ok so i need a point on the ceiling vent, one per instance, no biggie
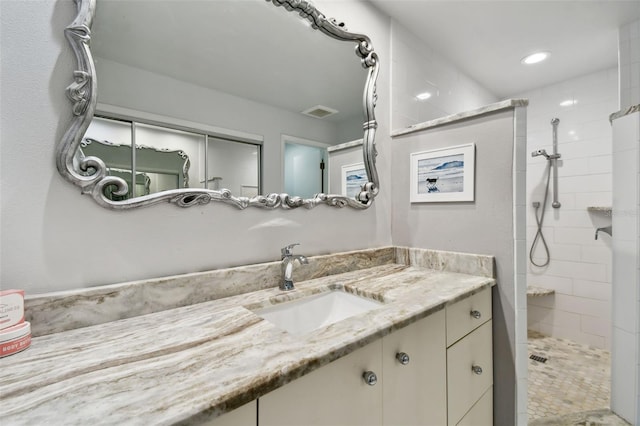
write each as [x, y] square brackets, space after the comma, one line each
[319, 111]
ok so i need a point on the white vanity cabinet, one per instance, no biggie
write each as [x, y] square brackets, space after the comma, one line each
[335, 394]
[247, 415]
[414, 393]
[470, 361]
[436, 371]
[410, 367]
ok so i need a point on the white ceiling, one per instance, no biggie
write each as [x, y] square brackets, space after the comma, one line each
[487, 39]
[247, 48]
[231, 45]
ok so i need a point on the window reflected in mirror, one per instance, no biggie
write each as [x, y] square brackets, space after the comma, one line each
[233, 165]
[167, 158]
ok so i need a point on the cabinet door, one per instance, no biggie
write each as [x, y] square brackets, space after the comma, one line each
[242, 416]
[335, 394]
[469, 371]
[415, 393]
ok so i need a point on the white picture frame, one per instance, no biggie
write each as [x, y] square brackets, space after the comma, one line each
[353, 177]
[443, 175]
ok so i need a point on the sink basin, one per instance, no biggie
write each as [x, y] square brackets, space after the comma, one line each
[313, 312]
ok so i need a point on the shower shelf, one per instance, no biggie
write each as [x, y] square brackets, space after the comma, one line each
[600, 209]
[539, 291]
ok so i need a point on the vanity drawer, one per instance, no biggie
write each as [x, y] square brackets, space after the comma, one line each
[469, 371]
[481, 414]
[468, 314]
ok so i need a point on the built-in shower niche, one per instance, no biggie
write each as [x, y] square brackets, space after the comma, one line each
[601, 217]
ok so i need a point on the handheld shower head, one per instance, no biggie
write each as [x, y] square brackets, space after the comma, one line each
[540, 152]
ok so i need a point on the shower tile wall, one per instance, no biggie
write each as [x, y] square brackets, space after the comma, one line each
[417, 68]
[625, 347]
[580, 267]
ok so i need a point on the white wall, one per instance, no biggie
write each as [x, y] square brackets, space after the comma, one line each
[625, 351]
[489, 225]
[580, 266]
[53, 238]
[629, 61]
[133, 88]
[417, 68]
[625, 344]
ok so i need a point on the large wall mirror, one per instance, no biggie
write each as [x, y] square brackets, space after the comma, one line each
[241, 102]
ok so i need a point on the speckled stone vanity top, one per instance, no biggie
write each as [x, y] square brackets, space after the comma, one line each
[191, 363]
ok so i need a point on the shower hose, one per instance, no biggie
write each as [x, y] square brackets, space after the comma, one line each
[539, 220]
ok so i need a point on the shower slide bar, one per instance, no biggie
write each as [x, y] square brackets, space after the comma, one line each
[553, 159]
[551, 166]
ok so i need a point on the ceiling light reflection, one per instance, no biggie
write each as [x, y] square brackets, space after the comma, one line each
[535, 58]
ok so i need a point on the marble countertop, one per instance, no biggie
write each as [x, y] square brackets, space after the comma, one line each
[466, 115]
[192, 363]
[624, 112]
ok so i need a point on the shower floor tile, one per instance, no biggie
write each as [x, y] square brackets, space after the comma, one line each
[575, 378]
[585, 418]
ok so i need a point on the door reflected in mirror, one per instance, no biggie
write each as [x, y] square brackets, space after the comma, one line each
[305, 167]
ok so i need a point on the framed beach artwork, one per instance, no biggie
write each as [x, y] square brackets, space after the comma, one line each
[443, 175]
[353, 177]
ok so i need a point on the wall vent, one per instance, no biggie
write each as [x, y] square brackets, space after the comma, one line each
[319, 111]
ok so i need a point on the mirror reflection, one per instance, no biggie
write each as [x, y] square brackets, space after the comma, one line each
[244, 58]
[241, 80]
[166, 159]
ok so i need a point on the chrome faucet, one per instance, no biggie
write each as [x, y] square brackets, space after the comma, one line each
[606, 230]
[287, 266]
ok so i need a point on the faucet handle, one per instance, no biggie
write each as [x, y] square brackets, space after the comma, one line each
[288, 250]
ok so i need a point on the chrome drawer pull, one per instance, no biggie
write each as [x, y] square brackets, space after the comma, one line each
[476, 314]
[476, 369]
[370, 378]
[402, 358]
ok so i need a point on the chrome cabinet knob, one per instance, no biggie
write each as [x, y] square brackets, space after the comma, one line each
[402, 358]
[476, 314]
[370, 378]
[476, 369]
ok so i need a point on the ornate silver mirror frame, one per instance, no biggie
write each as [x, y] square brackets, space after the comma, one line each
[91, 175]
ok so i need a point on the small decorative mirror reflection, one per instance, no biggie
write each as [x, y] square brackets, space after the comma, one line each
[219, 100]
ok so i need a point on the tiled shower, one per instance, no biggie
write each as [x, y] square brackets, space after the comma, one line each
[569, 301]
[594, 282]
[578, 276]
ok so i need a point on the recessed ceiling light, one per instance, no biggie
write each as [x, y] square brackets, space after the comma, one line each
[423, 96]
[534, 58]
[568, 102]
